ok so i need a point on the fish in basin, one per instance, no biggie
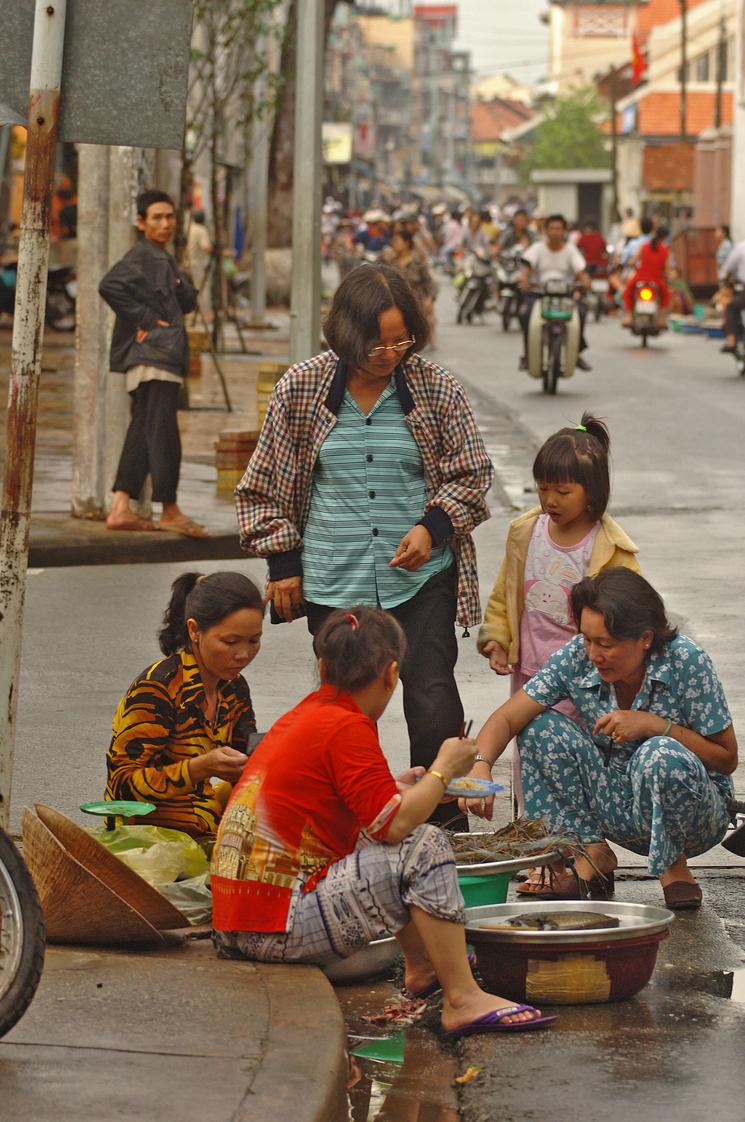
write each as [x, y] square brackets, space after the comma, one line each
[555, 921]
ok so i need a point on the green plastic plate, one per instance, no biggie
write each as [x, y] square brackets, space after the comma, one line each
[118, 808]
[386, 1049]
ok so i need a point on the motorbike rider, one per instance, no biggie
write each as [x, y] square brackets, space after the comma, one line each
[591, 245]
[651, 265]
[633, 245]
[475, 239]
[374, 236]
[734, 268]
[518, 234]
[553, 259]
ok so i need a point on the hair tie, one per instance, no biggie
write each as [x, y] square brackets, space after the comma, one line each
[582, 428]
[354, 622]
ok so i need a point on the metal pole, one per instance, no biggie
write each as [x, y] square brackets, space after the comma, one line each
[683, 67]
[305, 300]
[614, 143]
[258, 184]
[721, 60]
[25, 369]
[91, 336]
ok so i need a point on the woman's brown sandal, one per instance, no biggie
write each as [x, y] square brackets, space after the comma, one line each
[565, 884]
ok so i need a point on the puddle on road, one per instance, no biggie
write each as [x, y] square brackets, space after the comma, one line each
[417, 1088]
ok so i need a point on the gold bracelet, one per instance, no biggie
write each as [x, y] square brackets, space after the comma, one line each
[438, 775]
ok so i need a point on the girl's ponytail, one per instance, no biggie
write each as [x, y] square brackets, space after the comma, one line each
[356, 646]
[598, 429]
[173, 636]
[659, 236]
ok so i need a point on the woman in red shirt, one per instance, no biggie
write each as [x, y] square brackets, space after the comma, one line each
[321, 850]
[651, 266]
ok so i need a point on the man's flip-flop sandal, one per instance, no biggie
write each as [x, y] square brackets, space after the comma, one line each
[435, 987]
[188, 528]
[135, 526]
[492, 1022]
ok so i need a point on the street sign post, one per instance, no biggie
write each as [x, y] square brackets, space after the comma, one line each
[126, 70]
[113, 73]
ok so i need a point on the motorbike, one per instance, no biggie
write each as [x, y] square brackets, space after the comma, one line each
[553, 335]
[22, 936]
[645, 317]
[508, 276]
[61, 294]
[597, 295]
[477, 287]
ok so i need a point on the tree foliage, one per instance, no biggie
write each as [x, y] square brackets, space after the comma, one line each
[570, 135]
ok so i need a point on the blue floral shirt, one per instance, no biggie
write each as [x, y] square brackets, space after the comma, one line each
[679, 683]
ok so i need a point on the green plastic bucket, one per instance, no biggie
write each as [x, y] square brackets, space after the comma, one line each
[490, 888]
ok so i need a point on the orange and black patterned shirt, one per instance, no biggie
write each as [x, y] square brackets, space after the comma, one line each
[159, 725]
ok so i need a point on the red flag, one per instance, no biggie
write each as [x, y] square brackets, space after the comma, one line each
[638, 60]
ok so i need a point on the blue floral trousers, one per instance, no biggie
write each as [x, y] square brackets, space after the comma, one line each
[656, 798]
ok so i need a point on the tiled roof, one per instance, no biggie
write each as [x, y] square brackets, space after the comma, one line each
[489, 119]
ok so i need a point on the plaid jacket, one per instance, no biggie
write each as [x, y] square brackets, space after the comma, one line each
[273, 497]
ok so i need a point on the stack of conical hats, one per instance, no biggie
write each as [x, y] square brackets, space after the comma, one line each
[88, 895]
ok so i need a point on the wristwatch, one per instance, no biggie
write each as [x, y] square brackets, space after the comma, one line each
[479, 759]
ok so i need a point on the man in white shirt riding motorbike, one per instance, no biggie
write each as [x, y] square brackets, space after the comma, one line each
[553, 259]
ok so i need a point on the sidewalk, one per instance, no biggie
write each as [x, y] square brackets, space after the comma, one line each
[59, 539]
[178, 1035]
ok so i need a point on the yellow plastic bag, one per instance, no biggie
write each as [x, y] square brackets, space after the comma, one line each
[157, 854]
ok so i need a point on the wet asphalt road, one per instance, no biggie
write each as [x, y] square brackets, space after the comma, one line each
[676, 414]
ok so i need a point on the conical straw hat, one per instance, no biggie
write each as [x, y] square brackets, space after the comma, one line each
[78, 907]
[107, 867]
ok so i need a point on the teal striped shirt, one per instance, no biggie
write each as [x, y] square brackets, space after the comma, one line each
[368, 491]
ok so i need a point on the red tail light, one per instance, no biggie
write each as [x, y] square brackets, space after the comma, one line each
[646, 294]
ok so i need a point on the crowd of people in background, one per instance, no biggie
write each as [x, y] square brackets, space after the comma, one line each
[423, 239]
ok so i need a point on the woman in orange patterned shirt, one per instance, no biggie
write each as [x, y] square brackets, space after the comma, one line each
[186, 720]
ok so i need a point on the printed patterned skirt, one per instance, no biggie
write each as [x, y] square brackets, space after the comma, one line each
[364, 896]
[656, 799]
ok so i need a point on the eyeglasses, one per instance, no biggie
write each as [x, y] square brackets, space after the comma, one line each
[399, 348]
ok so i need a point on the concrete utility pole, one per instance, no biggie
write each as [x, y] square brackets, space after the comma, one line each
[305, 299]
[128, 169]
[28, 332]
[89, 480]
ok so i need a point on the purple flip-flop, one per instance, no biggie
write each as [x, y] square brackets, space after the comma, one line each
[491, 1022]
[435, 987]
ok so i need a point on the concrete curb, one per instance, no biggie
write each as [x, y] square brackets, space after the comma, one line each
[303, 1072]
[56, 543]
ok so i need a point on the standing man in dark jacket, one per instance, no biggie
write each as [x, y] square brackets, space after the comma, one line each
[150, 295]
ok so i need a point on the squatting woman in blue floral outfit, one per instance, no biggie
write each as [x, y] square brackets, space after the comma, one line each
[650, 768]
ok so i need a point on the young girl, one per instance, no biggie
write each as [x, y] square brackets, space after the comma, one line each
[549, 549]
[321, 850]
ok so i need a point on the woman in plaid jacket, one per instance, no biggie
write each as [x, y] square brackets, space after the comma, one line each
[369, 476]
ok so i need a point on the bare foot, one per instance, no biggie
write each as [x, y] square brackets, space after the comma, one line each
[678, 871]
[419, 976]
[129, 522]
